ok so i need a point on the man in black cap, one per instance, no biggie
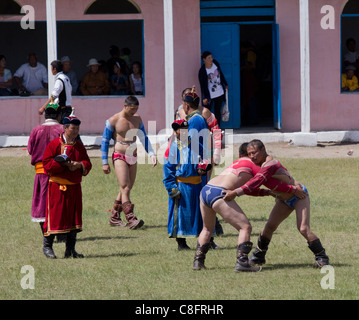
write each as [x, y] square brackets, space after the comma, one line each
[64, 195]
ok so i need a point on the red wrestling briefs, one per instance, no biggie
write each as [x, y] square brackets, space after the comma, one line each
[130, 160]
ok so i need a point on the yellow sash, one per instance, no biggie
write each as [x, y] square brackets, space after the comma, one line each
[62, 182]
[191, 180]
[39, 168]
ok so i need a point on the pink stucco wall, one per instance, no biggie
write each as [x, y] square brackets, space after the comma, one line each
[19, 115]
[330, 109]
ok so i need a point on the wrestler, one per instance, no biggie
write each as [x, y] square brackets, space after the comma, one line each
[66, 161]
[123, 128]
[283, 207]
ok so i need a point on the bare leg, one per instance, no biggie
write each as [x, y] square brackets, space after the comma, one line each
[302, 208]
[279, 213]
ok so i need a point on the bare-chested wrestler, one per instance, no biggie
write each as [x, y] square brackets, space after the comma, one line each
[123, 127]
[212, 194]
[283, 207]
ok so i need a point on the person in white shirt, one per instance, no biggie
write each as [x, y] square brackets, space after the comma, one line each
[34, 77]
[61, 93]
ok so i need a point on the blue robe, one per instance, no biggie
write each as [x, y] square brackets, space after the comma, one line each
[184, 214]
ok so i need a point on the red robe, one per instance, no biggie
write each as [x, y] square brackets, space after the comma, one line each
[64, 196]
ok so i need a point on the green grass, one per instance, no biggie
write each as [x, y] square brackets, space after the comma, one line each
[145, 264]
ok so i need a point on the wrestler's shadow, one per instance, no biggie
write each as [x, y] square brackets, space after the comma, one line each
[96, 238]
[279, 266]
[117, 254]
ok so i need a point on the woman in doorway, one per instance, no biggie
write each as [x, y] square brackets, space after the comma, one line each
[213, 86]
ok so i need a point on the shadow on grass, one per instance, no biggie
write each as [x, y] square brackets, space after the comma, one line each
[118, 254]
[95, 238]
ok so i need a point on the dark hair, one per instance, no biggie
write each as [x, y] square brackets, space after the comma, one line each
[256, 142]
[205, 54]
[243, 149]
[350, 40]
[139, 64]
[131, 100]
[2, 57]
[57, 64]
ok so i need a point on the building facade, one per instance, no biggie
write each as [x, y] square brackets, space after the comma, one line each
[259, 44]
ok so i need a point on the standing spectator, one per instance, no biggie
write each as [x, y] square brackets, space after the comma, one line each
[66, 161]
[34, 77]
[67, 70]
[5, 78]
[213, 86]
[40, 137]
[119, 81]
[61, 93]
[95, 81]
[136, 80]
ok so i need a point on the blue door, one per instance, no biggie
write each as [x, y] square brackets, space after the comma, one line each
[277, 111]
[222, 40]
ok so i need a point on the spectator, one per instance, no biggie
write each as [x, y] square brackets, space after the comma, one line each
[349, 80]
[5, 78]
[40, 137]
[119, 81]
[213, 86]
[115, 57]
[136, 80]
[34, 77]
[351, 58]
[125, 56]
[66, 69]
[95, 82]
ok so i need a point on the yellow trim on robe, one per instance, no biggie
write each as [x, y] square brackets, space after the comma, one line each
[192, 180]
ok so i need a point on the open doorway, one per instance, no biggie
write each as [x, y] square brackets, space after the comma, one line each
[256, 71]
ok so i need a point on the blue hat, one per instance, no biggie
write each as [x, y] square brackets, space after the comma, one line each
[71, 120]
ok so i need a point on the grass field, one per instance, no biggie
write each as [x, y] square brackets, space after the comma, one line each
[145, 264]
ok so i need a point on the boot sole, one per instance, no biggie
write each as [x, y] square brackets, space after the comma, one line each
[251, 269]
[138, 225]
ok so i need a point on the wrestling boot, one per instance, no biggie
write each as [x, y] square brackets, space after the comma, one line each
[200, 256]
[70, 246]
[321, 259]
[133, 222]
[242, 264]
[259, 254]
[182, 244]
[115, 220]
[47, 246]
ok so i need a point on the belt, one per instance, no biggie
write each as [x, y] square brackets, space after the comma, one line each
[62, 182]
[39, 167]
[191, 180]
[63, 107]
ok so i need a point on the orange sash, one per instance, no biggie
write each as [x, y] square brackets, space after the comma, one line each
[62, 182]
[39, 168]
[192, 180]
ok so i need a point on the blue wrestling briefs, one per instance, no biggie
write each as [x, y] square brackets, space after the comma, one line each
[293, 200]
[210, 194]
